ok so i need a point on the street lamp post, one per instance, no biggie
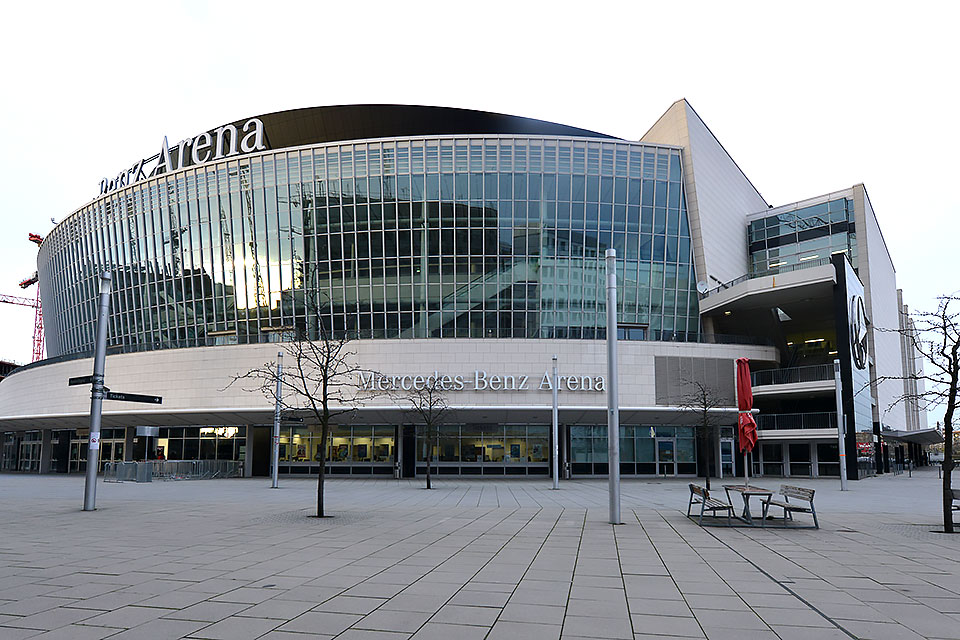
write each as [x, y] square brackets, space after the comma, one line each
[97, 393]
[276, 425]
[613, 399]
[841, 426]
[556, 424]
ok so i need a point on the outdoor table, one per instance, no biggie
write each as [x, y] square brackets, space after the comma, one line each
[746, 492]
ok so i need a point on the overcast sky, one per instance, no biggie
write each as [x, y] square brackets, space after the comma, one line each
[808, 98]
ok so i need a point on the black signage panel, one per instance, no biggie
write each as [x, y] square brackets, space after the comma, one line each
[80, 380]
[132, 397]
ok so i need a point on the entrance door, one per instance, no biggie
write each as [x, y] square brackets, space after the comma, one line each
[29, 456]
[666, 457]
[726, 458]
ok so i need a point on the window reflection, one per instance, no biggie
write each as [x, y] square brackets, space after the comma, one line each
[504, 238]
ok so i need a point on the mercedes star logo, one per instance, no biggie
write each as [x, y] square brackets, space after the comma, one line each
[858, 332]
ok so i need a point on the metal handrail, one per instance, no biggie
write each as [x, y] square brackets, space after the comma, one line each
[792, 375]
[787, 268]
[820, 420]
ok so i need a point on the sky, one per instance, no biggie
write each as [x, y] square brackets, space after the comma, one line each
[807, 98]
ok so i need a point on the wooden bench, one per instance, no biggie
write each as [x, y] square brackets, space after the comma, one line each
[789, 508]
[699, 495]
[956, 499]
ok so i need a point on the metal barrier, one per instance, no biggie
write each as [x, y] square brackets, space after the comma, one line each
[171, 470]
[126, 472]
[196, 469]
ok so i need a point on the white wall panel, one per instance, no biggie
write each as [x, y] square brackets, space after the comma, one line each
[719, 195]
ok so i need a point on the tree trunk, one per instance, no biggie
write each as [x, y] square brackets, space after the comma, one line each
[703, 456]
[947, 474]
[324, 435]
[429, 444]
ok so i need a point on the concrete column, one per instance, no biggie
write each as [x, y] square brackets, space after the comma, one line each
[46, 448]
[129, 434]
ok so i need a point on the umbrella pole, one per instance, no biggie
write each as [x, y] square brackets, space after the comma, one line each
[746, 471]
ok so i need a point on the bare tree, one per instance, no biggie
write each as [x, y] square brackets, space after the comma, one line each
[700, 402]
[428, 402]
[321, 380]
[935, 335]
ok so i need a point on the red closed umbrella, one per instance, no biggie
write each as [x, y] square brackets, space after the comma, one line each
[746, 425]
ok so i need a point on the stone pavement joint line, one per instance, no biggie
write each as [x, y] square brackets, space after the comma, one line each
[783, 584]
[232, 559]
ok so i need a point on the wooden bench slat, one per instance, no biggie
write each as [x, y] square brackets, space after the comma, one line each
[797, 493]
[700, 495]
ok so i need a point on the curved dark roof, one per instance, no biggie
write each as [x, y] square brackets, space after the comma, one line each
[315, 125]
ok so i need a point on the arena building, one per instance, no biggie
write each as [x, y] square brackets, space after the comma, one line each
[467, 245]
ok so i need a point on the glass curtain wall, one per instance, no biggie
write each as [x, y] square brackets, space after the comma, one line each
[644, 450]
[473, 449]
[434, 237]
[360, 449]
[810, 235]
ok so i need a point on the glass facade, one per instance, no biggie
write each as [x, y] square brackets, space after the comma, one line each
[784, 241]
[201, 443]
[404, 237]
[644, 450]
[511, 449]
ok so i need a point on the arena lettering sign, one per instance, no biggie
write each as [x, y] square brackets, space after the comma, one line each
[479, 381]
[222, 142]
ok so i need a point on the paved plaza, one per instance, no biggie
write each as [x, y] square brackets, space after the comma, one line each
[236, 560]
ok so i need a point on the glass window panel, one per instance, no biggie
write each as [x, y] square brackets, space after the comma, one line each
[686, 450]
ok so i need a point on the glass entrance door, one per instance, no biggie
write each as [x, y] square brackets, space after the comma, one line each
[726, 458]
[29, 456]
[666, 458]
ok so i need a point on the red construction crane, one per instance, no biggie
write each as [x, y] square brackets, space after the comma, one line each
[38, 310]
[26, 302]
[38, 319]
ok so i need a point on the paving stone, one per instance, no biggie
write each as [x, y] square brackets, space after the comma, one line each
[408, 621]
[350, 604]
[598, 627]
[207, 611]
[444, 631]
[53, 619]
[237, 628]
[535, 613]
[514, 556]
[286, 635]
[75, 632]
[276, 609]
[321, 622]
[11, 633]
[160, 629]
[509, 630]
[416, 602]
[367, 634]
[460, 614]
[486, 598]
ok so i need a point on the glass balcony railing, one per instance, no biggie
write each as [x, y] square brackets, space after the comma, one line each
[792, 375]
[787, 268]
[825, 420]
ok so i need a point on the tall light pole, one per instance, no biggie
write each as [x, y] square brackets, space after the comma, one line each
[841, 426]
[96, 394]
[556, 424]
[613, 399]
[275, 474]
